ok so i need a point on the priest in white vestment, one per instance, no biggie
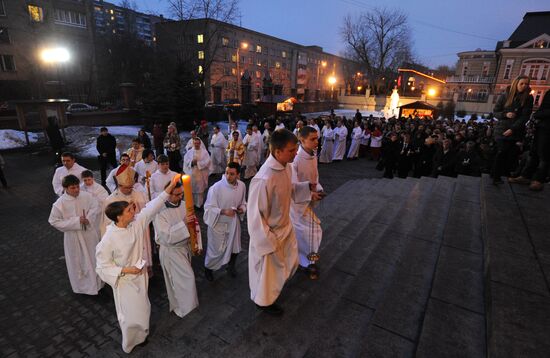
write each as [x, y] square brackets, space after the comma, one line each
[172, 235]
[252, 154]
[218, 143]
[74, 214]
[111, 180]
[70, 166]
[196, 163]
[340, 135]
[90, 186]
[356, 136]
[328, 143]
[273, 251]
[162, 176]
[120, 263]
[307, 225]
[147, 164]
[190, 144]
[223, 212]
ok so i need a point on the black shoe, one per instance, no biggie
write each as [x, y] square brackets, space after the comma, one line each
[274, 309]
[208, 274]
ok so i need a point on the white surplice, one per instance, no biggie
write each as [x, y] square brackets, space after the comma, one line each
[273, 251]
[191, 144]
[79, 243]
[328, 145]
[138, 198]
[198, 173]
[159, 181]
[62, 172]
[142, 168]
[251, 156]
[306, 224]
[356, 136]
[100, 194]
[224, 232]
[218, 143]
[340, 134]
[124, 247]
[172, 235]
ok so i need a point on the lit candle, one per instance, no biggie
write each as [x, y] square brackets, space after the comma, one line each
[190, 210]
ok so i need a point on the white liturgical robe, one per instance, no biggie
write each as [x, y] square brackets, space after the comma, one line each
[79, 243]
[175, 257]
[224, 232]
[356, 136]
[218, 143]
[123, 247]
[62, 172]
[328, 145]
[142, 168]
[306, 223]
[159, 181]
[251, 156]
[273, 251]
[340, 134]
[198, 173]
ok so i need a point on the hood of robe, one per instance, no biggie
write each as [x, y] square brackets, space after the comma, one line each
[272, 163]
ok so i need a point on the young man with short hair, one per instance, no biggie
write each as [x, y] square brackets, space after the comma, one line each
[89, 185]
[218, 143]
[146, 164]
[161, 176]
[223, 212]
[70, 166]
[196, 163]
[74, 214]
[273, 251]
[111, 180]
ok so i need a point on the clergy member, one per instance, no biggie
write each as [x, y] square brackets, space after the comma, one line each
[175, 255]
[340, 135]
[306, 224]
[70, 166]
[252, 153]
[196, 163]
[235, 149]
[73, 214]
[111, 181]
[135, 152]
[120, 263]
[218, 143]
[223, 212]
[273, 251]
[356, 136]
[146, 164]
[89, 185]
[162, 176]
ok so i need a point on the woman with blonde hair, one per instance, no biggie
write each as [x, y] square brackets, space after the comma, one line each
[513, 110]
[172, 143]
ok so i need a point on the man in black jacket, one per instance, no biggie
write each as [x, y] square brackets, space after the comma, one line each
[390, 155]
[444, 160]
[106, 147]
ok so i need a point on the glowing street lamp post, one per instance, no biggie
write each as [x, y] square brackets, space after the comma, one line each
[55, 56]
[332, 81]
[244, 46]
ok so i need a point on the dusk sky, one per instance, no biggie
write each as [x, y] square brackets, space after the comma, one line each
[440, 28]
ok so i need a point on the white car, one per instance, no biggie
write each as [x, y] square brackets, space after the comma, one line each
[80, 107]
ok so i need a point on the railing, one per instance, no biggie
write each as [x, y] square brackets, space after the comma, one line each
[470, 79]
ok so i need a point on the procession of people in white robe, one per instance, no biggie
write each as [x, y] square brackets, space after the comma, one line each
[196, 163]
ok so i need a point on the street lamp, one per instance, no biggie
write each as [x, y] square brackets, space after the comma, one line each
[432, 92]
[55, 56]
[332, 81]
[243, 46]
[323, 64]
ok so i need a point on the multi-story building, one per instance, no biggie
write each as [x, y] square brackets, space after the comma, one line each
[238, 63]
[482, 75]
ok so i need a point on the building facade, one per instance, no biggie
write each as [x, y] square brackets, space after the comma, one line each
[245, 65]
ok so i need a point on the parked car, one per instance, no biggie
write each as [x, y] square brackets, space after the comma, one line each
[80, 107]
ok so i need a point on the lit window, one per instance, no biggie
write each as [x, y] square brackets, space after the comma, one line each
[258, 49]
[233, 71]
[200, 38]
[258, 62]
[233, 58]
[258, 74]
[35, 13]
[200, 70]
[201, 55]
[114, 31]
[225, 41]
[277, 64]
[283, 54]
[111, 11]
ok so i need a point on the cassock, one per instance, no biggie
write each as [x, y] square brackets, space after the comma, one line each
[328, 145]
[264, 152]
[175, 258]
[273, 251]
[124, 247]
[218, 143]
[61, 173]
[98, 192]
[307, 225]
[79, 244]
[159, 181]
[356, 135]
[340, 134]
[142, 168]
[251, 156]
[198, 172]
[224, 232]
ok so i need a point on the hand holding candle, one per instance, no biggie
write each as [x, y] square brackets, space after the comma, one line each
[190, 209]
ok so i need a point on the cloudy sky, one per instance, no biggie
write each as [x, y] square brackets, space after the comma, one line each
[440, 28]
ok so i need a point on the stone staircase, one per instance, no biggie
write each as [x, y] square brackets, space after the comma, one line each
[446, 267]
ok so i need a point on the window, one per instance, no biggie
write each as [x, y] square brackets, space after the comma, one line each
[2, 9]
[71, 18]
[4, 35]
[201, 70]
[538, 95]
[259, 62]
[465, 69]
[201, 55]
[508, 69]
[35, 13]
[485, 70]
[251, 60]
[225, 41]
[200, 38]
[233, 58]
[544, 74]
[233, 71]
[277, 64]
[258, 49]
[540, 44]
[536, 69]
[258, 74]
[243, 59]
[227, 71]
[6, 63]
[283, 54]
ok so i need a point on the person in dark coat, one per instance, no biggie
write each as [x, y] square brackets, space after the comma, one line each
[390, 153]
[513, 109]
[106, 147]
[56, 141]
[444, 160]
[158, 138]
[406, 156]
[468, 161]
[425, 157]
[536, 170]
[144, 138]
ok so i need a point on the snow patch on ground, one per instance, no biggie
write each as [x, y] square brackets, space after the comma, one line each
[10, 138]
[348, 113]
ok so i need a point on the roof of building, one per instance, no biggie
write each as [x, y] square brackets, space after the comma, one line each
[421, 74]
[533, 25]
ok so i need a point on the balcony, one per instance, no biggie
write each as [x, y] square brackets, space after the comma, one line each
[470, 79]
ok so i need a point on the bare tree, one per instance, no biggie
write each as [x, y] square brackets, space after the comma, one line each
[380, 40]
